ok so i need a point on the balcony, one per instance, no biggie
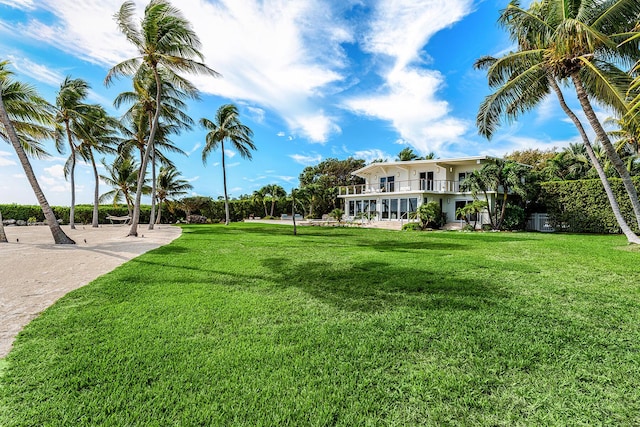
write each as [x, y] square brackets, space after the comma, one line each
[410, 186]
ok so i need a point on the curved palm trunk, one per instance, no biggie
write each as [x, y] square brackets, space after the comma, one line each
[3, 236]
[224, 184]
[153, 190]
[58, 235]
[629, 234]
[618, 164]
[135, 218]
[96, 191]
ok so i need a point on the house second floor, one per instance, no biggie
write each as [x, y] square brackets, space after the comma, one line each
[440, 176]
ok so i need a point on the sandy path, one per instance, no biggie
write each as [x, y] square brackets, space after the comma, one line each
[35, 272]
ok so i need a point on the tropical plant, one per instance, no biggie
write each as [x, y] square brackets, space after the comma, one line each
[122, 176]
[337, 214]
[559, 40]
[166, 45]
[97, 132]
[169, 185]
[429, 214]
[273, 192]
[473, 209]
[25, 118]
[407, 154]
[70, 109]
[227, 126]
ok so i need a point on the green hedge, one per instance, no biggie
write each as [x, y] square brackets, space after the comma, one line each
[83, 214]
[582, 206]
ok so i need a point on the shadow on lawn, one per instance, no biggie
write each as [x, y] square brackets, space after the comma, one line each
[376, 286]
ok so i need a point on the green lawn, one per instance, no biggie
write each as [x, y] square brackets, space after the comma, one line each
[250, 325]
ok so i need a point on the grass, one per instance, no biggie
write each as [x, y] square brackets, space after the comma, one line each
[250, 325]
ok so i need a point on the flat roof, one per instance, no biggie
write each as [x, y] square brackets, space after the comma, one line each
[447, 162]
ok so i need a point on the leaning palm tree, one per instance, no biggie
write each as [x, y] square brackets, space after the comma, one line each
[167, 45]
[26, 117]
[70, 108]
[227, 126]
[169, 185]
[524, 77]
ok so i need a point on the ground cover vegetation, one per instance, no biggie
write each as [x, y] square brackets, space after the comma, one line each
[251, 325]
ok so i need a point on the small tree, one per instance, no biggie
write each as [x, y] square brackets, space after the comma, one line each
[337, 214]
[429, 214]
[473, 208]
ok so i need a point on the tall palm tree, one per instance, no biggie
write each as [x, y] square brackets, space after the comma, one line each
[258, 196]
[173, 119]
[167, 45]
[3, 236]
[227, 126]
[525, 77]
[70, 108]
[26, 117]
[97, 132]
[169, 185]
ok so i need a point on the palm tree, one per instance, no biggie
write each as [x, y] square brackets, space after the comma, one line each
[258, 196]
[477, 182]
[122, 177]
[227, 126]
[70, 108]
[523, 78]
[169, 185]
[166, 44]
[25, 117]
[407, 154]
[172, 119]
[97, 132]
[273, 192]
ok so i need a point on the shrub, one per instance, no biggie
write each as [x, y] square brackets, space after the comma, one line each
[514, 218]
[582, 206]
[412, 226]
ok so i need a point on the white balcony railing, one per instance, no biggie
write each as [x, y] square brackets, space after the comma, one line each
[412, 185]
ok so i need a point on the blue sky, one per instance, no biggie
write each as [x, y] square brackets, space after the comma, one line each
[313, 79]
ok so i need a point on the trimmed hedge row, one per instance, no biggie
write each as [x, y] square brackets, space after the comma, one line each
[83, 214]
[582, 206]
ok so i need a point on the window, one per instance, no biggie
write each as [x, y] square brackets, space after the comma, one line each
[403, 209]
[385, 208]
[387, 183]
[394, 209]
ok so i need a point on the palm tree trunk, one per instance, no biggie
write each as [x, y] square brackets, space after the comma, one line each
[58, 235]
[629, 234]
[159, 217]
[153, 190]
[224, 184]
[606, 144]
[135, 219]
[72, 208]
[96, 191]
[3, 236]
[293, 212]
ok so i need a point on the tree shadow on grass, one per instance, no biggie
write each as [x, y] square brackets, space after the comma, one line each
[375, 286]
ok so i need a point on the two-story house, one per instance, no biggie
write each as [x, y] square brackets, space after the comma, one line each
[394, 190]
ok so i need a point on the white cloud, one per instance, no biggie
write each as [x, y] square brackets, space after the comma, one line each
[233, 165]
[397, 35]
[6, 160]
[288, 179]
[371, 155]
[195, 148]
[19, 4]
[281, 134]
[38, 72]
[257, 114]
[195, 178]
[229, 153]
[276, 54]
[306, 160]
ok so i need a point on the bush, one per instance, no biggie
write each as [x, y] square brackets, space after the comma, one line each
[514, 218]
[468, 227]
[582, 206]
[412, 226]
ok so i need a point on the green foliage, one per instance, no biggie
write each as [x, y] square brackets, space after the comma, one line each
[337, 214]
[514, 218]
[582, 206]
[83, 213]
[320, 183]
[412, 226]
[242, 326]
[429, 215]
